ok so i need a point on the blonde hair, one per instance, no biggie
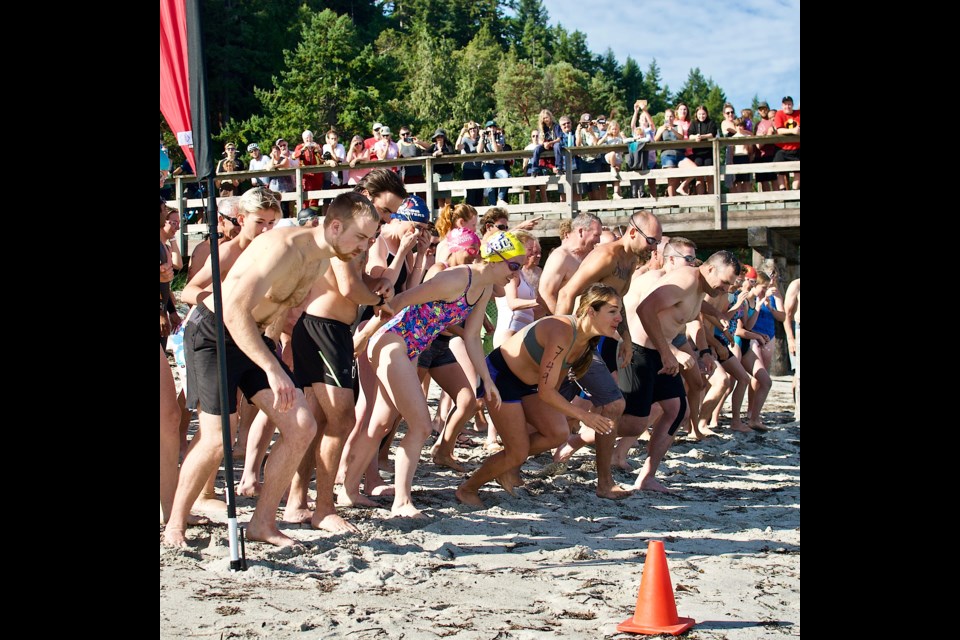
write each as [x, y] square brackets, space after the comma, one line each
[258, 199]
[564, 228]
[450, 214]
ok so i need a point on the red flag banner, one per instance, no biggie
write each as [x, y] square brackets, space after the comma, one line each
[174, 79]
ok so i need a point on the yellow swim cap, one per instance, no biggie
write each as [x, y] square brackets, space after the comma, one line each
[502, 246]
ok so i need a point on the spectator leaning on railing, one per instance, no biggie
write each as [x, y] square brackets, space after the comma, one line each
[787, 122]
[492, 141]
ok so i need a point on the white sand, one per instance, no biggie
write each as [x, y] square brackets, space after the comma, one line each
[556, 562]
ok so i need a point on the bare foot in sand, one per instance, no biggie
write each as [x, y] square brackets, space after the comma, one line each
[356, 500]
[269, 534]
[510, 481]
[565, 451]
[448, 461]
[759, 426]
[332, 523]
[406, 511]
[616, 492]
[740, 427]
[210, 505]
[249, 488]
[297, 516]
[382, 490]
[194, 520]
[469, 498]
[492, 447]
[175, 538]
[703, 432]
[651, 484]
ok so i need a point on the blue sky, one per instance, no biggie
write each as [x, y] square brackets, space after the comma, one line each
[747, 47]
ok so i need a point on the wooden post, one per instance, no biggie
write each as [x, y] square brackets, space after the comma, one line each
[717, 191]
[300, 201]
[568, 181]
[182, 237]
[428, 171]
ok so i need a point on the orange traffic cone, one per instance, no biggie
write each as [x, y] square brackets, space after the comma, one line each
[656, 609]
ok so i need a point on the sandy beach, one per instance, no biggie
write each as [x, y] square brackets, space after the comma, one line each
[554, 562]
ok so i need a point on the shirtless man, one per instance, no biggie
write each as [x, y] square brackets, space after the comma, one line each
[273, 276]
[791, 305]
[323, 358]
[564, 260]
[228, 226]
[612, 264]
[653, 373]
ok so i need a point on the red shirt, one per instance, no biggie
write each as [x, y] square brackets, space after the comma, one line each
[784, 121]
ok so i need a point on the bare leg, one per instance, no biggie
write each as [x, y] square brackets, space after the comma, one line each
[297, 429]
[169, 438]
[337, 405]
[363, 447]
[695, 387]
[258, 441]
[606, 487]
[719, 382]
[516, 445]
[583, 436]
[454, 383]
[202, 458]
[742, 380]
[297, 510]
[657, 448]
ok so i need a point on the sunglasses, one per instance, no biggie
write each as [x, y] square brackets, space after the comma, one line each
[651, 241]
[502, 227]
[514, 267]
[728, 113]
[233, 220]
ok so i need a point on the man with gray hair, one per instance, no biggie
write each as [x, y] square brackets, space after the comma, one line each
[564, 260]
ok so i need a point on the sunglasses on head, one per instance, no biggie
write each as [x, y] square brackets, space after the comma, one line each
[650, 240]
[687, 259]
[514, 267]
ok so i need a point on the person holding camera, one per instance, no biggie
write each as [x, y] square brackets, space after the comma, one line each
[386, 148]
[411, 147]
[333, 154]
[492, 141]
[469, 142]
[308, 154]
[444, 172]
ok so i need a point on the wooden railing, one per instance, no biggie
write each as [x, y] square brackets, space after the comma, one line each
[717, 202]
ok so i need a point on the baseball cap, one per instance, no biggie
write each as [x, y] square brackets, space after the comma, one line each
[377, 126]
[438, 133]
[787, 99]
[252, 146]
[385, 131]
[585, 117]
[490, 123]
[763, 105]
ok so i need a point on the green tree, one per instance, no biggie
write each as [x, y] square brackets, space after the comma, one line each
[477, 71]
[518, 92]
[657, 96]
[608, 65]
[572, 48]
[566, 90]
[530, 34]
[322, 84]
[631, 81]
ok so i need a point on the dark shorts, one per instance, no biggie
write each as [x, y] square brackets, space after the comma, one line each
[511, 388]
[607, 348]
[598, 383]
[787, 155]
[765, 177]
[438, 354]
[642, 386]
[741, 177]
[322, 351]
[200, 351]
[702, 161]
